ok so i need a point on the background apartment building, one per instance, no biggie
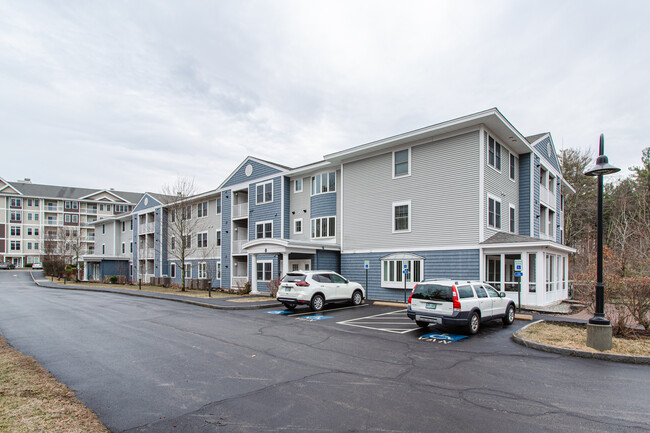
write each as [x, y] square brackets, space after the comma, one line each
[36, 218]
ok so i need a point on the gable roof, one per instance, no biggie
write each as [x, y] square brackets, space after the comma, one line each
[68, 192]
[238, 176]
[6, 188]
[533, 138]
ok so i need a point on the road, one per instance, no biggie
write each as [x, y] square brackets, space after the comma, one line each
[147, 365]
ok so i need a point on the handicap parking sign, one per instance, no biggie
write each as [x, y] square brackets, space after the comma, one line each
[443, 338]
[314, 317]
[279, 312]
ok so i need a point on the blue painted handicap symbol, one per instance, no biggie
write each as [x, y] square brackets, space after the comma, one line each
[314, 317]
[443, 338]
[280, 312]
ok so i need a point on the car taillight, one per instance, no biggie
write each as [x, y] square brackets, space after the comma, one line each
[455, 298]
[411, 295]
[302, 283]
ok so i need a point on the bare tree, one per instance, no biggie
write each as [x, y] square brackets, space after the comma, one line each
[183, 225]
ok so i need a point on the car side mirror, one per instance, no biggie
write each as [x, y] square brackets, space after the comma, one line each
[502, 295]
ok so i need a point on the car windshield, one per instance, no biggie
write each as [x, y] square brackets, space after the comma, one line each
[293, 278]
[433, 292]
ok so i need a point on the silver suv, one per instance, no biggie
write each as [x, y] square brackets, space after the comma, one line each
[316, 288]
[458, 303]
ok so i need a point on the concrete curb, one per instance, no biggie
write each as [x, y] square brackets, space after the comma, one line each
[145, 295]
[390, 304]
[629, 359]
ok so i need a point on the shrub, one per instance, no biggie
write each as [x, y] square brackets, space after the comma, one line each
[273, 286]
[245, 289]
[113, 279]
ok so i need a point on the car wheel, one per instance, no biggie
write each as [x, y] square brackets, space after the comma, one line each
[289, 306]
[474, 323]
[422, 324]
[357, 298]
[510, 315]
[317, 303]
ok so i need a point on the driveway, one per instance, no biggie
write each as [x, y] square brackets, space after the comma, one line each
[147, 365]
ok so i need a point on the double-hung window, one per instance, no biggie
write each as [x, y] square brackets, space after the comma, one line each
[513, 165]
[494, 153]
[402, 163]
[324, 182]
[203, 270]
[297, 226]
[202, 240]
[513, 217]
[187, 212]
[264, 192]
[218, 205]
[188, 270]
[402, 216]
[324, 227]
[172, 270]
[297, 185]
[202, 209]
[218, 238]
[187, 241]
[264, 229]
[400, 268]
[494, 213]
[264, 271]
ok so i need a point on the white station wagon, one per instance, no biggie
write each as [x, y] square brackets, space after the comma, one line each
[317, 288]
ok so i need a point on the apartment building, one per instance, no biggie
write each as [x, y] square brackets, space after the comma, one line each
[33, 216]
[470, 198]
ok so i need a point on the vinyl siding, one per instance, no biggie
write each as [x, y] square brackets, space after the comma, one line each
[151, 202]
[524, 194]
[259, 171]
[286, 211]
[461, 264]
[267, 211]
[443, 189]
[323, 205]
[498, 185]
[275, 271]
[536, 186]
[226, 197]
[542, 148]
[300, 208]
[327, 261]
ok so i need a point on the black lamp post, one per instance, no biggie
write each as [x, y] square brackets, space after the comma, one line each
[601, 168]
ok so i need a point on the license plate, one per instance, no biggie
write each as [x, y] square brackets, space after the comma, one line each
[431, 306]
[287, 289]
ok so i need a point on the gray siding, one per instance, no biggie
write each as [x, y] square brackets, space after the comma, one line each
[498, 185]
[134, 218]
[300, 208]
[226, 197]
[259, 171]
[443, 189]
[267, 211]
[157, 241]
[536, 186]
[461, 264]
[524, 194]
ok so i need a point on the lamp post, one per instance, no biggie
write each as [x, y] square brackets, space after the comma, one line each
[599, 329]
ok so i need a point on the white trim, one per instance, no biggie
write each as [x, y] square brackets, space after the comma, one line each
[206, 239]
[280, 168]
[481, 184]
[341, 208]
[263, 185]
[498, 170]
[282, 182]
[295, 232]
[172, 266]
[512, 206]
[295, 185]
[320, 175]
[510, 157]
[264, 223]
[487, 215]
[205, 270]
[311, 221]
[409, 152]
[207, 207]
[263, 262]
[401, 203]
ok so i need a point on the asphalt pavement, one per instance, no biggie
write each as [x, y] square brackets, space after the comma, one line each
[150, 365]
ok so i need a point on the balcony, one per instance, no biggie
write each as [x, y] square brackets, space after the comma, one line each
[240, 210]
[146, 228]
[146, 253]
[239, 281]
[237, 246]
[51, 223]
[546, 196]
[52, 209]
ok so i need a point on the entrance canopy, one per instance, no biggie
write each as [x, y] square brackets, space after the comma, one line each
[286, 246]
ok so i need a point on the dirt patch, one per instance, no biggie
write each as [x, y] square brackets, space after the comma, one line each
[31, 400]
[574, 336]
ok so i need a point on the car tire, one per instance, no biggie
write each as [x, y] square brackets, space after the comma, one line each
[357, 297]
[422, 324]
[317, 303]
[474, 323]
[510, 315]
[289, 306]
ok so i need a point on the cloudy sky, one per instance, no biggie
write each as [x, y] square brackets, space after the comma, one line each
[132, 94]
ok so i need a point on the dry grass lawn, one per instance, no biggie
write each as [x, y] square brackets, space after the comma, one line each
[575, 337]
[31, 400]
[153, 289]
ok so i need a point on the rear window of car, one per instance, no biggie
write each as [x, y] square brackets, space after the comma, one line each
[465, 292]
[293, 278]
[433, 292]
[321, 278]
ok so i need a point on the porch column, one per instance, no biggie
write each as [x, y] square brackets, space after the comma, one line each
[254, 274]
[285, 264]
[541, 278]
[502, 272]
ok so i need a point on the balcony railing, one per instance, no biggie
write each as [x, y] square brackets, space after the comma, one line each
[146, 228]
[51, 223]
[146, 253]
[51, 209]
[237, 246]
[240, 210]
[239, 281]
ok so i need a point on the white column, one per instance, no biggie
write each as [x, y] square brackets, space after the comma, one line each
[502, 265]
[285, 264]
[541, 278]
[254, 274]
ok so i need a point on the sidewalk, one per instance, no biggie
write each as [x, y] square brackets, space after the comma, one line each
[215, 303]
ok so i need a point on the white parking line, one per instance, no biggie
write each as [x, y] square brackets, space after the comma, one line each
[372, 321]
[327, 311]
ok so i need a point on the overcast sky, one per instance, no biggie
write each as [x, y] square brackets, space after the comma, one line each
[132, 94]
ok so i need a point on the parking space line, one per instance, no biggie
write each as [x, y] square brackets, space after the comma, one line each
[380, 319]
[329, 311]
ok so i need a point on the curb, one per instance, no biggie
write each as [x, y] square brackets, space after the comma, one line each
[629, 359]
[390, 304]
[143, 295]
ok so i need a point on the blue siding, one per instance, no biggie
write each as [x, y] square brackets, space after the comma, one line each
[152, 202]
[157, 240]
[287, 207]
[323, 205]
[135, 244]
[461, 264]
[536, 186]
[327, 261]
[524, 194]
[542, 148]
[275, 271]
[226, 213]
[267, 211]
[558, 192]
[109, 268]
[164, 264]
[259, 171]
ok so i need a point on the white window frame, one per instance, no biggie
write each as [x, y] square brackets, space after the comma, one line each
[123, 247]
[264, 229]
[202, 209]
[203, 243]
[318, 222]
[172, 243]
[172, 270]
[295, 231]
[264, 264]
[295, 185]
[75, 218]
[202, 270]
[218, 204]
[512, 169]
[395, 205]
[263, 186]
[511, 208]
[219, 271]
[188, 271]
[320, 176]
[499, 146]
[218, 238]
[494, 226]
[397, 282]
[408, 173]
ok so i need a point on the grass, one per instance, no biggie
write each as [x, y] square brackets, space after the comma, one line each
[31, 400]
[574, 336]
